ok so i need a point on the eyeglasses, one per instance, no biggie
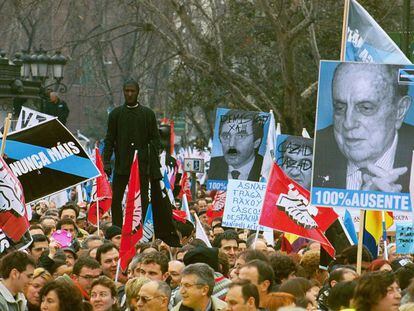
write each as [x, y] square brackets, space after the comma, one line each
[146, 299]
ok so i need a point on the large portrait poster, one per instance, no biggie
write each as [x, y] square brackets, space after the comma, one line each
[364, 136]
[239, 144]
[294, 155]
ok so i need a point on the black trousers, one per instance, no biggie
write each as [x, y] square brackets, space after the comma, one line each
[119, 184]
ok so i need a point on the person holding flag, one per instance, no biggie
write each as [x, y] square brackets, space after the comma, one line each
[131, 127]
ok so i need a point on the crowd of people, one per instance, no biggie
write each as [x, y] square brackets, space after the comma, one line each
[240, 271]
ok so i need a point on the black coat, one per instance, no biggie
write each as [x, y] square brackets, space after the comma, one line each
[219, 168]
[59, 110]
[131, 129]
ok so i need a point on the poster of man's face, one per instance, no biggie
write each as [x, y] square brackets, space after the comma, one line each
[294, 154]
[239, 144]
[364, 136]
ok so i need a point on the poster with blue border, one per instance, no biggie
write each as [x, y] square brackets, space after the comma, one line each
[239, 144]
[364, 136]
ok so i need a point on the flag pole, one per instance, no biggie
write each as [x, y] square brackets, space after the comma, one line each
[344, 29]
[360, 240]
[97, 210]
[7, 123]
[384, 233]
[118, 267]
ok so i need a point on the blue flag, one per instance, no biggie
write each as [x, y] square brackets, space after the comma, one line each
[367, 42]
[148, 231]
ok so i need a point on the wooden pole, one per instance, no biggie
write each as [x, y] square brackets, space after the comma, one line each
[7, 123]
[344, 29]
[360, 240]
[97, 211]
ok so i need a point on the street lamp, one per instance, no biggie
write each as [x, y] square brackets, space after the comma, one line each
[40, 66]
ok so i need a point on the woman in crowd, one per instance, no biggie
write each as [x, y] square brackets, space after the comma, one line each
[379, 265]
[104, 295]
[302, 289]
[132, 288]
[276, 300]
[377, 291]
[40, 278]
[61, 295]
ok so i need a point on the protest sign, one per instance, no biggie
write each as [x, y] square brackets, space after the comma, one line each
[243, 204]
[362, 154]
[47, 158]
[29, 117]
[404, 238]
[239, 143]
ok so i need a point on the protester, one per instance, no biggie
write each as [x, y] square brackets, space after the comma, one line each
[108, 255]
[104, 295]
[260, 274]
[279, 299]
[57, 107]
[16, 270]
[32, 291]
[131, 127]
[61, 295]
[227, 242]
[341, 295]
[242, 295]
[377, 291]
[39, 244]
[154, 266]
[132, 288]
[154, 295]
[196, 288]
[85, 270]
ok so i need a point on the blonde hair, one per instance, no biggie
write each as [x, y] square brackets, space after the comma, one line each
[132, 288]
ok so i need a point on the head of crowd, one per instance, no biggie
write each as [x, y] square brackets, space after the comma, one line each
[241, 271]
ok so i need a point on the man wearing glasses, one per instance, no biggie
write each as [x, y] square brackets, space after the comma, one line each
[240, 134]
[154, 295]
[85, 270]
[196, 289]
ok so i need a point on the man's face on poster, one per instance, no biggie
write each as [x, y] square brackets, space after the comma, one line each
[297, 163]
[238, 142]
[366, 114]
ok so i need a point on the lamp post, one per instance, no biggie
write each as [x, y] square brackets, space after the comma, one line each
[40, 67]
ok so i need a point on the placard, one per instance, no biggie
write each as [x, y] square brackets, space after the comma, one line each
[243, 204]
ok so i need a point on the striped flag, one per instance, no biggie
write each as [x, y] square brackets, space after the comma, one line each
[148, 226]
[168, 188]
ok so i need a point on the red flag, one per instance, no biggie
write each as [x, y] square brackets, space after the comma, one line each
[13, 214]
[286, 208]
[185, 187]
[217, 208]
[132, 227]
[101, 192]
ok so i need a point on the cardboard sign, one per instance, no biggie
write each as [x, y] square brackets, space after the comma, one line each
[404, 238]
[46, 159]
[243, 204]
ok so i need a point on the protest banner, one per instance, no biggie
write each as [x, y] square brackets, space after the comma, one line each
[29, 117]
[362, 154]
[46, 159]
[239, 144]
[404, 238]
[244, 201]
